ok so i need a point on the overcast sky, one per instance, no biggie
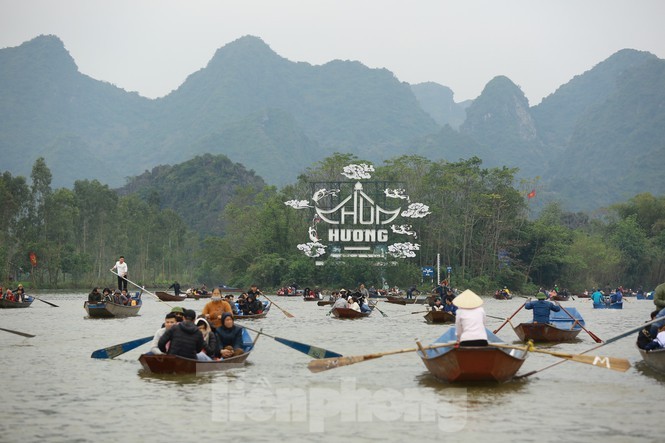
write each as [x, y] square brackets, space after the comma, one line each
[151, 46]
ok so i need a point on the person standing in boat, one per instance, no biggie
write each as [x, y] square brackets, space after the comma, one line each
[411, 290]
[255, 292]
[541, 308]
[229, 337]
[176, 288]
[122, 271]
[169, 322]
[186, 339]
[470, 320]
[215, 308]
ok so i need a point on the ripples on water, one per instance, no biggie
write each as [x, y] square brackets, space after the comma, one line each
[54, 391]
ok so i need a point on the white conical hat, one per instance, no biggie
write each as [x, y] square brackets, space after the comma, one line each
[468, 300]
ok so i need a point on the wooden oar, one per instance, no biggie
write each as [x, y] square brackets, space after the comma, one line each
[375, 307]
[23, 334]
[591, 334]
[312, 351]
[115, 350]
[325, 364]
[607, 342]
[143, 289]
[509, 318]
[411, 313]
[616, 364]
[44, 301]
[287, 313]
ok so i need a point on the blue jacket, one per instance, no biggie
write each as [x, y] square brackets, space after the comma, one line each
[541, 310]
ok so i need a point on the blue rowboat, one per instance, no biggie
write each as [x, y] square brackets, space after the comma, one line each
[561, 328]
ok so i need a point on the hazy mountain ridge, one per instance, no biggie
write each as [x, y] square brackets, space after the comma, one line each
[277, 117]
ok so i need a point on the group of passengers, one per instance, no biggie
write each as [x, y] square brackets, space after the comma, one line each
[356, 301]
[185, 335]
[17, 295]
[118, 297]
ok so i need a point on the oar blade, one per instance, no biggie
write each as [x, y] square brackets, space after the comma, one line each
[613, 363]
[320, 365]
[116, 350]
[312, 351]
[47, 302]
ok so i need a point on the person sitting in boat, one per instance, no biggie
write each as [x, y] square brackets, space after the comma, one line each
[107, 295]
[176, 288]
[186, 339]
[118, 298]
[552, 294]
[211, 348]
[470, 320]
[169, 322]
[19, 294]
[252, 306]
[95, 296]
[644, 337]
[659, 301]
[449, 306]
[214, 309]
[179, 313]
[597, 297]
[658, 342]
[437, 306]
[617, 297]
[353, 303]
[9, 295]
[341, 302]
[505, 293]
[234, 307]
[126, 297]
[364, 305]
[541, 308]
[229, 337]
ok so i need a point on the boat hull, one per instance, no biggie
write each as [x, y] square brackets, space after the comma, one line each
[654, 359]
[325, 303]
[110, 310]
[6, 304]
[165, 296]
[347, 313]
[545, 332]
[439, 317]
[472, 364]
[608, 305]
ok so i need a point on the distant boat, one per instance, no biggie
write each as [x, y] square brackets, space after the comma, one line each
[561, 328]
[438, 317]
[348, 313]
[7, 304]
[107, 309]
[266, 309]
[473, 363]
[165, 296]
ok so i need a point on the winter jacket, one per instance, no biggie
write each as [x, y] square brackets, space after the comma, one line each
[186, 340]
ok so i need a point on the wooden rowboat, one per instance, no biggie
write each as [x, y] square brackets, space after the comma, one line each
[111, 310]
[438, 317]
[165, 296]
[173, 364]
[325, 302]
[348, 313]
[560, 297]
[499, 296]
[654, 359]
[7, 304]
[561, 328]
[313, 298]
[471, 364]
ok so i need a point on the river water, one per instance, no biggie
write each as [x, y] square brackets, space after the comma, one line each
[53, 391]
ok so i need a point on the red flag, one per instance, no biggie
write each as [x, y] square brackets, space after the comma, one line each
[531, 194]
[33, 259]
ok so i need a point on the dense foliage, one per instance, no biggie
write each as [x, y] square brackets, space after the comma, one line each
[479, 225]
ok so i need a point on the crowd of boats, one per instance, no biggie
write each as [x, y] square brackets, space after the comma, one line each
[450, 357]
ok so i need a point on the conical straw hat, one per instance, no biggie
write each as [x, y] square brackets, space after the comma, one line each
[468, 300]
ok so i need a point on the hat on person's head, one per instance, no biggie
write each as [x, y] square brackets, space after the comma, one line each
[189, 314]
[541, 296]
[202, 321]
[468, 300]
[342, 290]
[178, 309]
[117, 291]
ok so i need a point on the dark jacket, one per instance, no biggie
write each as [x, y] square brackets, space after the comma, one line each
[252, 306]
[229, 336]
[541, 310]
[186, 340]
[94, 297]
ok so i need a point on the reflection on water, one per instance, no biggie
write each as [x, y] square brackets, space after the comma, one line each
[55, 385]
